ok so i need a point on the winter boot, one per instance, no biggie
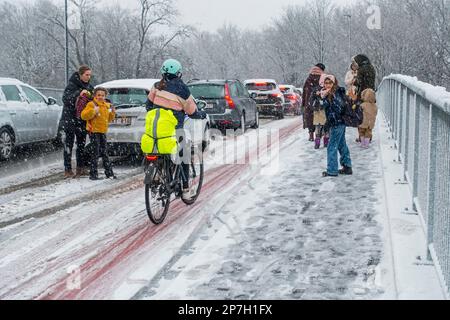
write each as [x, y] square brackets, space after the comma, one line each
[346, 171]
[79, 173]
[317, 145]
[326, 141]
[68, 174]
[311, 136]
[366, 143]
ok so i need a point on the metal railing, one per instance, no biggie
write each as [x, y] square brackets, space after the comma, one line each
[420, 125]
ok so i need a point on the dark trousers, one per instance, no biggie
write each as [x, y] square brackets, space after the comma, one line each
[98, 148]
[74, 128]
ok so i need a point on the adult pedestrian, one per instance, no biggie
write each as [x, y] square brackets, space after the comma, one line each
[75, 128]
[310, 87]
[366, 74]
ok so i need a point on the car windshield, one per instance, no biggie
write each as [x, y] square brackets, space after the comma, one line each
[127, 97]
[261, 86]
[207, 91]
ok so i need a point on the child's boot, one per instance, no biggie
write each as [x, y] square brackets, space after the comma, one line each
[317, 145]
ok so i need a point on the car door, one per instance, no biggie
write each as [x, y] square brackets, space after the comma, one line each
[45, 118]
[38, 107]
[21, 116]
[240, 104]
[250, 104]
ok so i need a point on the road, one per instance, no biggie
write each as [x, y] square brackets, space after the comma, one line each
[82, 240]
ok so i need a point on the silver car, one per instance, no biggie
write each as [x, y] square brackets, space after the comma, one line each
[125, 133]
[26, 116]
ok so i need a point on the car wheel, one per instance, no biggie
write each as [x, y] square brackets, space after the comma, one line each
[243, 127]
[256, 125]
[6, 144]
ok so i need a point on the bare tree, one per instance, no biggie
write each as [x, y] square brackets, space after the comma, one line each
[152, 13]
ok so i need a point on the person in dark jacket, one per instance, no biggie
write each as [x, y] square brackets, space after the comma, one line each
[311, 84]
[365, 78]
[78, 84]
[334, 101]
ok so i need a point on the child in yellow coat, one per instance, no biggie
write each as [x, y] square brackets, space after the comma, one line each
[98, 114]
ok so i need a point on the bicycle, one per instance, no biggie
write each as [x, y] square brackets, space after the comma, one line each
[164, 178]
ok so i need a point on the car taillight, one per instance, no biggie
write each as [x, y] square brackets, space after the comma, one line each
[292, 97]
[228, 98]
[151, 158]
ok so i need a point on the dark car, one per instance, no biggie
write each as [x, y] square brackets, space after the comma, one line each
[268, 97]
[229, 105]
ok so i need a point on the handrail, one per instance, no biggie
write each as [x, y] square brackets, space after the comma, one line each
[418, 115]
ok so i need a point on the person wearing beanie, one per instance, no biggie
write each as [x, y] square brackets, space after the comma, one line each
[309, 89]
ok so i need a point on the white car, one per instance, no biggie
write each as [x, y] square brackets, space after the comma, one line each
[26, 116]
[125, 133]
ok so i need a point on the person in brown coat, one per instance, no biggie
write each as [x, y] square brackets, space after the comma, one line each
[310, 87]
[370, 111]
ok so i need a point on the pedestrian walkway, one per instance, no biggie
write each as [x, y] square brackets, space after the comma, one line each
[297, 235]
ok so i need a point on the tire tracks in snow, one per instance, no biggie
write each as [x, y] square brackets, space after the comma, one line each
[133, 182]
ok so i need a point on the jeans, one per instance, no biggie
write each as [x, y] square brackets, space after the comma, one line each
[98, 148]
[337, 143]
[74, 128]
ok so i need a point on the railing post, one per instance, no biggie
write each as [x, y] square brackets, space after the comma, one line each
[432, 131]
[416, 150]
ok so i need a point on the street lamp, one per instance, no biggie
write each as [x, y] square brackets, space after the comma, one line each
[349, 16]
[66, 29]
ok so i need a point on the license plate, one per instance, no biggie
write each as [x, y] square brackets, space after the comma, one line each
[209, 106]
[261, 97]
[122, 121]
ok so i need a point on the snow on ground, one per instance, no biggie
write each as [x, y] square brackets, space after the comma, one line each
[299, 236]
[295, 235]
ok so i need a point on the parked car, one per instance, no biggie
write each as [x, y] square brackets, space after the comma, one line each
[125, 132]
[228, 103]
[292, 100]
[26, 116]
[267, 95]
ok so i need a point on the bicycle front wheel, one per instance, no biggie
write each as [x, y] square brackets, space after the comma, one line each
[157, 198]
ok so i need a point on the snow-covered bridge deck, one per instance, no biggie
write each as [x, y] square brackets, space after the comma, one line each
[251, 235]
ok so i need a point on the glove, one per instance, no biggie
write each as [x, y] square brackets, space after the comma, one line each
[199, 114]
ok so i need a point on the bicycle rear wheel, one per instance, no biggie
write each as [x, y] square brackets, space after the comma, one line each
[196, 174]
[157, 197]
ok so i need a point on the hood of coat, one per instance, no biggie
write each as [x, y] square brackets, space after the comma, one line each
[75, 79]
[361, 60]
[369, 96]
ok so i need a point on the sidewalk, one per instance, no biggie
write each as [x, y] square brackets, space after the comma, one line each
[297, 235]
[414, 277]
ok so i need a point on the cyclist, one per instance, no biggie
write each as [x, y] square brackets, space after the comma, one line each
[172, 94]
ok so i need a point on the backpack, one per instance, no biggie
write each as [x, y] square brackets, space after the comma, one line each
[160, 132]
[80, 104]
[352, 114]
